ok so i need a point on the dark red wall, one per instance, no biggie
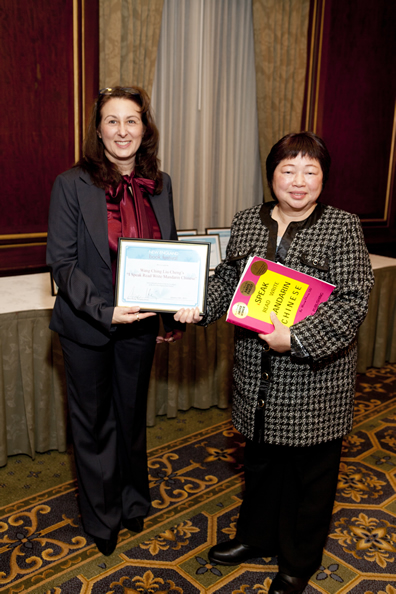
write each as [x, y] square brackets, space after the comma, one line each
[350, 101]
[37, 132]
[352, 107]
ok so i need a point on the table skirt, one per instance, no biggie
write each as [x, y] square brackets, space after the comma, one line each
[196, 371]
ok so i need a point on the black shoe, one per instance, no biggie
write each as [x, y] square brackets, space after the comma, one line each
[134, 524]
[287, 584]
[232, 552]
[106, 546]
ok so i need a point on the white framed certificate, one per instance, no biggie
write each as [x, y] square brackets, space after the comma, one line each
[215, 250]
[160, 275]
[224, 234]
[181, 232]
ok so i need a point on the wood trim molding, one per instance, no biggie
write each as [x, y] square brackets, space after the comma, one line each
[314, 64]
[77, 29]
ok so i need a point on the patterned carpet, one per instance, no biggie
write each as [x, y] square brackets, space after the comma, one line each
[196, 485]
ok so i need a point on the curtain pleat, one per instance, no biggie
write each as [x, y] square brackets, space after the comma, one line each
[33, 394]
[193, 372]
[129, 31]
[204, 98]
[280, 46]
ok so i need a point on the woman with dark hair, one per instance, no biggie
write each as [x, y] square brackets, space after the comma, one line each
[293, 388]
[115, 190]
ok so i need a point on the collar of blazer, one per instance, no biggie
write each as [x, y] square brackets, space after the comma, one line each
[160, 204]
[92, 202]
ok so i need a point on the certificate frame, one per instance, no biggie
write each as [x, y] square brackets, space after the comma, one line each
[224, 234]
[162, 276]
[215, 250]
[181, 232]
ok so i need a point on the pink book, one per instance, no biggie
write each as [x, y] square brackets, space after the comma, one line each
[266, 286]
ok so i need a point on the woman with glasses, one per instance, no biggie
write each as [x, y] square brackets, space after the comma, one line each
[115, 190]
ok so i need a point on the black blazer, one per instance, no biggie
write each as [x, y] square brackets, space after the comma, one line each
[79, 256]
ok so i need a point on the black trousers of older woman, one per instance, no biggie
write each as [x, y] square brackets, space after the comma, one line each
[288, 503]
[107, 397]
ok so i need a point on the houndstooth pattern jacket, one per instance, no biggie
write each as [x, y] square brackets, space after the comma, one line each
[309, 400]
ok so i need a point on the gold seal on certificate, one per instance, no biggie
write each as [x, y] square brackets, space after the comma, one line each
[160, 275]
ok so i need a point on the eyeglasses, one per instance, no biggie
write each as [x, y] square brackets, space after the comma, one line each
[109, 90]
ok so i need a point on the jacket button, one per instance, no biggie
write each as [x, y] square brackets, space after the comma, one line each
[260, 403]
[265, 375]
[266, 347]
[315, 262]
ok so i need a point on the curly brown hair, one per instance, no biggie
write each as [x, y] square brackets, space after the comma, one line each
[103, 172]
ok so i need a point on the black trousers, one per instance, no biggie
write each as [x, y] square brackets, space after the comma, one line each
[288, 502]
[107, 397]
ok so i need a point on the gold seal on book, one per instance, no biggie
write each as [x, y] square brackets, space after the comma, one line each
[258, 268]
[247, 288]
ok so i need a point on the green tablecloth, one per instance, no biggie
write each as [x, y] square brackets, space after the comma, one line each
[195, 371]
[32, 396]
[377, 334]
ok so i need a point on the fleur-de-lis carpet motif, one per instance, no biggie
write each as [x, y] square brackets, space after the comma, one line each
[196, 485]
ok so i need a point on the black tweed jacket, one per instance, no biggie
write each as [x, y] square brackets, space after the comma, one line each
[309, 400]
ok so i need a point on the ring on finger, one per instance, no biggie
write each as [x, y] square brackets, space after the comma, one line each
[137, 317]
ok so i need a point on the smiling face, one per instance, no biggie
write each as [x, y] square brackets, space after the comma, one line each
[297, 184]
[121, 130]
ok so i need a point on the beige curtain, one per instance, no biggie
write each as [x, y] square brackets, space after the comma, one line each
[280, 46]
[129, 31]
[204, 98]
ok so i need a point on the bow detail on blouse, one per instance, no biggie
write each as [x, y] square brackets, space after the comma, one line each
[126, 212]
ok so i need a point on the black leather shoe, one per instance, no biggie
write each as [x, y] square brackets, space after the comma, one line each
[134, 524]
[232, 552]
[287, 584]
[106, 546]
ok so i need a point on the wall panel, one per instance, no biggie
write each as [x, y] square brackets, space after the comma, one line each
[350, 102]
[40, 132]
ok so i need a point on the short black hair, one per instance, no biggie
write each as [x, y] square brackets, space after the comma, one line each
[290, 146]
